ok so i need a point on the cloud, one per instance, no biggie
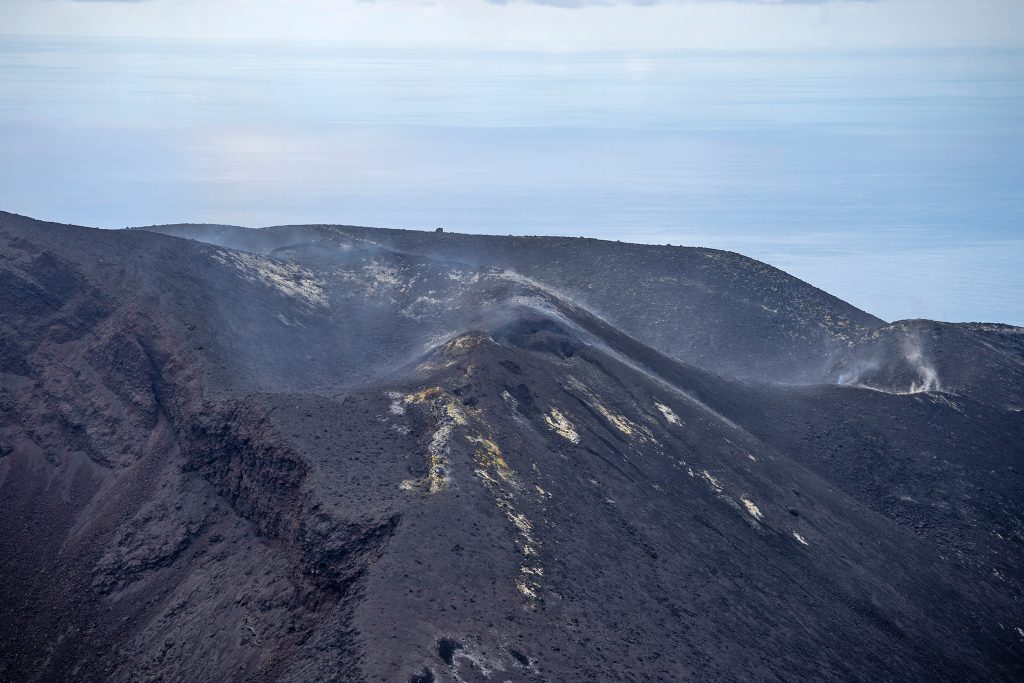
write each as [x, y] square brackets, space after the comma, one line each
[576, 4]
[540, 24]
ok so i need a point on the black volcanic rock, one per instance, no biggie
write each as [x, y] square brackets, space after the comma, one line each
[979, 360]
[717, 309]
[322, 453]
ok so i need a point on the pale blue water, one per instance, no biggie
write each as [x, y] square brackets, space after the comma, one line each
[895, 180]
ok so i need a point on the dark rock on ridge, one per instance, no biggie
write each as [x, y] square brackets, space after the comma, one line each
[717, 309]
[328, 453]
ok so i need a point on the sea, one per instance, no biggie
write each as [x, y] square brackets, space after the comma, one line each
[892, 179]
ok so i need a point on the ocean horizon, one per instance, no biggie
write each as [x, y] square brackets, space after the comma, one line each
[891, 179]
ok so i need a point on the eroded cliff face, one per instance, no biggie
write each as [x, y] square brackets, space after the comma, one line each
[329, 458]
[146, 503]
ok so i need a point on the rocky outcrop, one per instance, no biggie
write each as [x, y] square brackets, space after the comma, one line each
[344, 454]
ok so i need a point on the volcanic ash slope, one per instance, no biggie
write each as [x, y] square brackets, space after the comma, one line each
[317, 453]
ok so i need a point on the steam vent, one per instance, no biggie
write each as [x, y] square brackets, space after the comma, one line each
[331, 453]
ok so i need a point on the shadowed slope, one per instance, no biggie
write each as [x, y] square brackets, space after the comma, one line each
[339, 461]
[716, 309]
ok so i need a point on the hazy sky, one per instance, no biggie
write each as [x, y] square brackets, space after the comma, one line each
[555, 24]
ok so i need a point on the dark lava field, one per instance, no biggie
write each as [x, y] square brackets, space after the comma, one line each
[331, 453]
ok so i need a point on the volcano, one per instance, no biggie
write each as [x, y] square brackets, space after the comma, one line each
[336, 453]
